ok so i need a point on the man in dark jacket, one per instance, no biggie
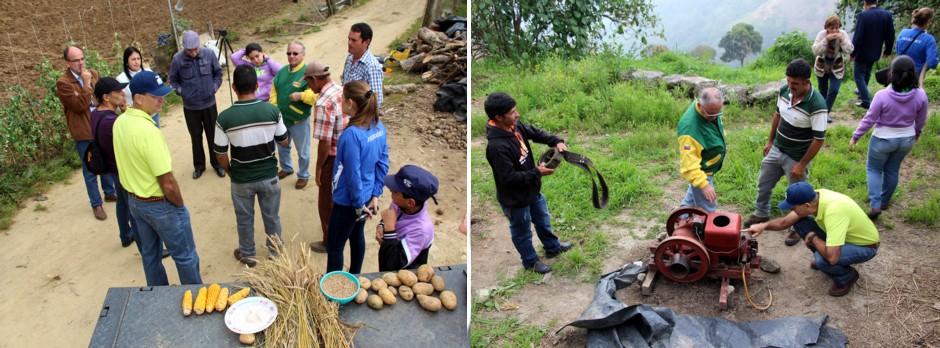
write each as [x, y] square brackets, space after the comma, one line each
[873, 39]
[519, 180]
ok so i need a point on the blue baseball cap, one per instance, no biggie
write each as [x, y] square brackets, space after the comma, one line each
[798, 193]
[413, 181]
[147, 82]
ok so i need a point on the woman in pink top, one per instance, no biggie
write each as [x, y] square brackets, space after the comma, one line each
[898, 114]
[264, 66]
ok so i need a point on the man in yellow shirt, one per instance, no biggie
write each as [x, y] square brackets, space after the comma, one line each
[145, 170]
[833, 227]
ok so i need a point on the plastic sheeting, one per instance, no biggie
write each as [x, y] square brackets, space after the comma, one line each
[611, 323]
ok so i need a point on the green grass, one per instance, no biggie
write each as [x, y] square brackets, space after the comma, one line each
[503, 332]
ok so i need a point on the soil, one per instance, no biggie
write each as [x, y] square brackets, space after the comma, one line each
[894, 303]
[59, 261]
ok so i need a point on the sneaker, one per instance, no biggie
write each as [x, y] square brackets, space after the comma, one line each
[563, 247]
[754, 219]
[874, 213]
[792, 238]
[248, 260]
[540, 267]
[838, 291]
[828, 119]
[862, 105]
[318, 247]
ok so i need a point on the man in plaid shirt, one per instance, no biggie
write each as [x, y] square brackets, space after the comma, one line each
[328, 123]
[360, 63]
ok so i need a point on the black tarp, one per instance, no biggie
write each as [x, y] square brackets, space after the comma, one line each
[452, 97]
[611, 323]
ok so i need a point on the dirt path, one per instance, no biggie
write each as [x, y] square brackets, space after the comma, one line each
[59, 262]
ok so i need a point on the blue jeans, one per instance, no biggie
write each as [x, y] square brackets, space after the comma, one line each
[695, 198]
[300, 134]
[164, 223]
[91, 180]
[829, 88]
[269, 198]
[156, 120]
[774, 166]
[521, 220]
[343, 226]
[850, 254]
[126, 222]
[862, 75]
[884, 165]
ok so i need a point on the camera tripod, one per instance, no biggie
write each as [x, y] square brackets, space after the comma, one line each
[226, 48]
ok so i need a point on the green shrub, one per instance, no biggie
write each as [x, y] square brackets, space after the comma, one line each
[786, 48]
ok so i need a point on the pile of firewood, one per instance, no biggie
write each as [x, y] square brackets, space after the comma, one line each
[439, 59]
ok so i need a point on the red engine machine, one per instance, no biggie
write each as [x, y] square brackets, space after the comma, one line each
[700, 244]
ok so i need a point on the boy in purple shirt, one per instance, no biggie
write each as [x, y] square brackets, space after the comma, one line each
[406, 231]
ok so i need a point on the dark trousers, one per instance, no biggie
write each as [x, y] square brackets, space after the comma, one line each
[325, 199]
[197, 122]
[343, 227]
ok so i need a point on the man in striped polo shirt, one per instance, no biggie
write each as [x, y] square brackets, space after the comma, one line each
[796, 135]
[251, 127]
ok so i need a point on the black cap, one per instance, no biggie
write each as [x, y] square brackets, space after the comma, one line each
[107, 85]
[414, 182]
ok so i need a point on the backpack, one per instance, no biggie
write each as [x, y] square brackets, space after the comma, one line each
[94, 156]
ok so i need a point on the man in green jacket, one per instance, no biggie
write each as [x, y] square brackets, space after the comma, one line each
[289, 92]
[702, 148]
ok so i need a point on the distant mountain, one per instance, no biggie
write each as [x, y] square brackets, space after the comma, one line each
[689, 23]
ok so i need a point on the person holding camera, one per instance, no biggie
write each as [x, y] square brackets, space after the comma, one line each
[196, 75]
[830, 46]
[358, 176]
[265, 67]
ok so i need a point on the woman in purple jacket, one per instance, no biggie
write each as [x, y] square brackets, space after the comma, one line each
[898, 114]
[264, 66]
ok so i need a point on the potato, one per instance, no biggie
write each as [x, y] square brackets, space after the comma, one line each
[378, 284]
[375, 301]
[425, 273]
[361, 296]
[449, 300]
[393, 290]
[423, 288]
[429, 303]
[365, 283]
[405, 292]
[391, 279]
[407, 277]
[246, 339]
[438, 283]
[387, 296]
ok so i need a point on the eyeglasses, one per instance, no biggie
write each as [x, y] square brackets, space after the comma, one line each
[289, 53]
[717, 114]
[76, 60]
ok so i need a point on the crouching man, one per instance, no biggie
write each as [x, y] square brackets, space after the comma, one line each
[833, 227]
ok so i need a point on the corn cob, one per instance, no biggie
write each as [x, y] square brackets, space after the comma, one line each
[188, 303]
[238, 296]
[213, 296]
[222, 301]
[200, 306]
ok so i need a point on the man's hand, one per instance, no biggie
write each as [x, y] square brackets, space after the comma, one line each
[545, 171]
[709, 192]
[373, 207]
[379, 231]
[767, 148]
[86, 77]
[389, 218]
[808, 241]
[797, 171]
[834, 36]
[295, 97]
[561, 147]
[851, 144]
[318, 172]
[755, 230]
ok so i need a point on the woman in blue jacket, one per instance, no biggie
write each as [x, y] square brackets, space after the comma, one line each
[361, 165]
[923, 50]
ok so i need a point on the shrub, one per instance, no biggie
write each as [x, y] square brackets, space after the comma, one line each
[786, 48]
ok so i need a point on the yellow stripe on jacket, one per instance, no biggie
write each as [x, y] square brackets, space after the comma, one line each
[690, 155]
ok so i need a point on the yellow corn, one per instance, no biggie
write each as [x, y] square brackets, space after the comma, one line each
[222, 301]
[200, 306]
[213, 296]
[188, 302]
[238, 296]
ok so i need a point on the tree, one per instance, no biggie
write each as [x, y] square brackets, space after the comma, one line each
[901, 9]
[703, 52]
[740, 42]
[525, 29]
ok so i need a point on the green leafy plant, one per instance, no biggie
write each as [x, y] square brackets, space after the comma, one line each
[741, 41]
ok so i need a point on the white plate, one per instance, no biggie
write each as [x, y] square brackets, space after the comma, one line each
[250, 315]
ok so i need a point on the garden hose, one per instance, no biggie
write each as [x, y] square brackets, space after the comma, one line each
[746, 293]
